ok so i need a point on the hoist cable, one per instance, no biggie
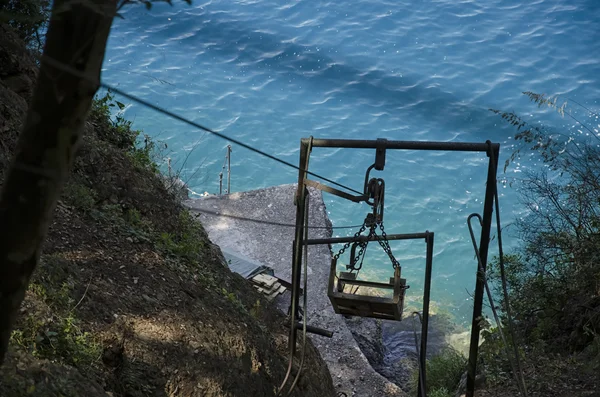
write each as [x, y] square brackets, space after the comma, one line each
[506, 299]
[292, 314]
[516, 369]
[519, 375]
[68, 69]
[482, 275]
[360, 267]
[304, 298]
[272, 223]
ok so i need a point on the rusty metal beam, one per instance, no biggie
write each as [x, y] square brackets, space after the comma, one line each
[406, 145]
[332, 190]
[352, 239]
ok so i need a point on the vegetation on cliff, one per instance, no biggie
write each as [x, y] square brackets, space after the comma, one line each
[130, 298]
[553, 279]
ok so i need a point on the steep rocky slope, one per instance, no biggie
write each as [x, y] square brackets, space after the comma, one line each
[131, 298]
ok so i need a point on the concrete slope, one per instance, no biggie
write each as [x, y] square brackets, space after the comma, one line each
[272, 245]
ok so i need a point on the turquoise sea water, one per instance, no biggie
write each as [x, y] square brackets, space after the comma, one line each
[271, 72]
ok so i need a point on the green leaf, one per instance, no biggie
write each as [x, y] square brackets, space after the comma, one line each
[120, 105]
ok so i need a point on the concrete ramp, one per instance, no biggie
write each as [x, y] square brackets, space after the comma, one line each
[269, 242]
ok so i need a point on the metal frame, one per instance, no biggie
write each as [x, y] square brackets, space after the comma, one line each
[306, 145]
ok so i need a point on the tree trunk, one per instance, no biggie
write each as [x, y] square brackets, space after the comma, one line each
[77, 36]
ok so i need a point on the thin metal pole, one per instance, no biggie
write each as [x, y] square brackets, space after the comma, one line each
[484, 243]
[220, 183]
[408, 145]
[425, 321]
[228, 169]
[297, 258]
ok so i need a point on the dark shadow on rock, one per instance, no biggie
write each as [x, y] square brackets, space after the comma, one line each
[390, 345]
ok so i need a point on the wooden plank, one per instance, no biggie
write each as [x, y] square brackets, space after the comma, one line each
[273, 288]
[264, 279]
[358, 307]
[372, 284]
[276, 292]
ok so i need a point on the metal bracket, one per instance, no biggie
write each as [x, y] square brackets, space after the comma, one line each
[332, 190]
[380, 154]
[376, 191]
[379, 164]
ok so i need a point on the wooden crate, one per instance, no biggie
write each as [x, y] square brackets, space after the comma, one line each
[364, 305]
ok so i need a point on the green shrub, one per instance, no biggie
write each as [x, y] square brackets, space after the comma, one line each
[441, 392]
[115, 129]
[79, 196]
[443, 373]
[56, 337]
[552, 277]
[256, 309]
[188, 240]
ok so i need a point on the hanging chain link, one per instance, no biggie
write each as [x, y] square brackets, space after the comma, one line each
[359, 257]
[347, 245]
[372, 221]
[383, 241]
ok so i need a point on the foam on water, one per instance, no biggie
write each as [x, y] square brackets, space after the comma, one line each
[269, 73]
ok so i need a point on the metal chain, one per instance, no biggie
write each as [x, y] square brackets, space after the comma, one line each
[347, 245]
[382, 241]
[361, 251]
[386, 246]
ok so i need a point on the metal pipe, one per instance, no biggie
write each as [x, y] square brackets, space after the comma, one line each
[425, 319]
[352, 239]
[228, 169]
[409, 145]
[313, 330]
[484, 243]
[298, 243]
[297, 258]
[220, 183]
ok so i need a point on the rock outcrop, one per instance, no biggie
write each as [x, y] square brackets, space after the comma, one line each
[272, 245]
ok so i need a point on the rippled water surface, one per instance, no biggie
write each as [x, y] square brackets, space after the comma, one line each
[271, 72]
